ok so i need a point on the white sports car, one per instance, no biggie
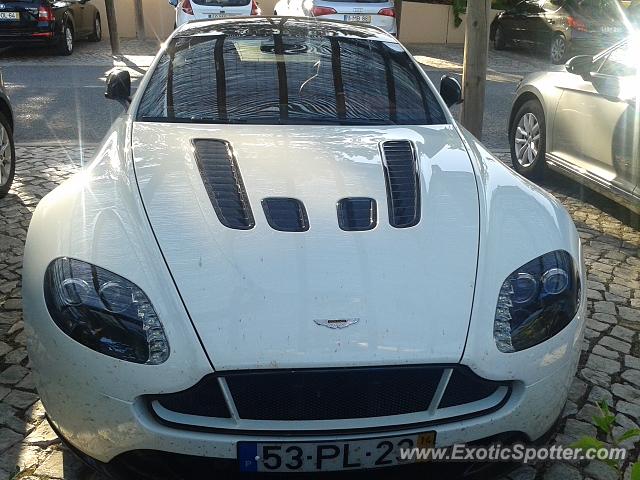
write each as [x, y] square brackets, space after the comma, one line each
[287, 256]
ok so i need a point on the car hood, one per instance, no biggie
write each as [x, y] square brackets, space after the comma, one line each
[260, 298]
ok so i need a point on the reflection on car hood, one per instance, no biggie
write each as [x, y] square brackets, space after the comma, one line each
[263, 298]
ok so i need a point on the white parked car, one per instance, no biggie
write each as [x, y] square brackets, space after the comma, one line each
[287, 256]
[188, 10]
[379, 13]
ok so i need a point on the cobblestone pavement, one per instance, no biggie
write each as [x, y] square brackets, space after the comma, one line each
[609, 367]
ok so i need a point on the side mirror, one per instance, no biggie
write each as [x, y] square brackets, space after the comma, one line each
[173, 3]
[580, 65]
[450, 90]
[119, 87]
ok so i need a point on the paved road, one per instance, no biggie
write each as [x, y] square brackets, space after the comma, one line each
[62, 99]
[64, 103]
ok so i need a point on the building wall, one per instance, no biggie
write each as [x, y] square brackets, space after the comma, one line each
[421, 22]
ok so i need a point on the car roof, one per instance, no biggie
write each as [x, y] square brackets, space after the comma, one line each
[293, 26]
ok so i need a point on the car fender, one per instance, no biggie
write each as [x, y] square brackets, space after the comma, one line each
[532, 87]
[66, 18]
[5, 106]
[97, 217]
[519, 221]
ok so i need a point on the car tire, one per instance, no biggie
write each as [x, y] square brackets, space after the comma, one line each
[499, 41]
[96, 35]
[65, 46]
[527, 140]
[558, 49]
[7, 156]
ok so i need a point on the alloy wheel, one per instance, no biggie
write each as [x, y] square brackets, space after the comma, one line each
[5, 156]
[558, 49]
[527, 139]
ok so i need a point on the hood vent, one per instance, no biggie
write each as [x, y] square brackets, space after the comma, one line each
[403, 183]
[357, 214]
[286, 214]
[223, 182]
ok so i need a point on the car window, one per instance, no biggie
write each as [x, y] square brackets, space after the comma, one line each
[280, 79]
[621, 62]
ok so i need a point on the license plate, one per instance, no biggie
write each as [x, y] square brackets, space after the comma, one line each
[358, 18]
[9, 16]
[610, 30]
[216, 15]
[329, 456]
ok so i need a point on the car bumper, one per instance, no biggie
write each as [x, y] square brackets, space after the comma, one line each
[107, 429]
[592, 43]
[31, 38]
[156, 465]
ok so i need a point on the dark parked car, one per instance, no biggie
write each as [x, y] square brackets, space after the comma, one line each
[559, 26]
[7, 149]
[50, 23]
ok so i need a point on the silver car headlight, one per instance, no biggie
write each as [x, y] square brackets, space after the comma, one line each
[104, 311]
[536, 301]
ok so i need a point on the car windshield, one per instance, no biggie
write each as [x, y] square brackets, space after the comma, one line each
[288, 79]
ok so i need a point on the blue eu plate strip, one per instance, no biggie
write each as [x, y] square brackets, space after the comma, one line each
[247, 453]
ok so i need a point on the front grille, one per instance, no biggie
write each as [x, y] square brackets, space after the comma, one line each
[403, 183]
[334, 393]
[223, 182]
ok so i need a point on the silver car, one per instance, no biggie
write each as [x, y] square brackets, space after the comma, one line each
[379, 13]
[583, 122]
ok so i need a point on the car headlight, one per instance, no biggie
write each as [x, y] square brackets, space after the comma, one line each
[104, 312]
[536, 301]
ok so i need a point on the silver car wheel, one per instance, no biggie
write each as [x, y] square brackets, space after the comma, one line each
[527, 139]
[68, 36]
[5, 156]
[98, 28]
[558, 48]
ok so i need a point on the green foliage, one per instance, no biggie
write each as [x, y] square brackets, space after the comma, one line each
[459, 7]
[605, 423]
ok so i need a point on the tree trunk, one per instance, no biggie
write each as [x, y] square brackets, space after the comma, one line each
[397, 6]
[113, 26]
[474, 72]
[140, 33]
